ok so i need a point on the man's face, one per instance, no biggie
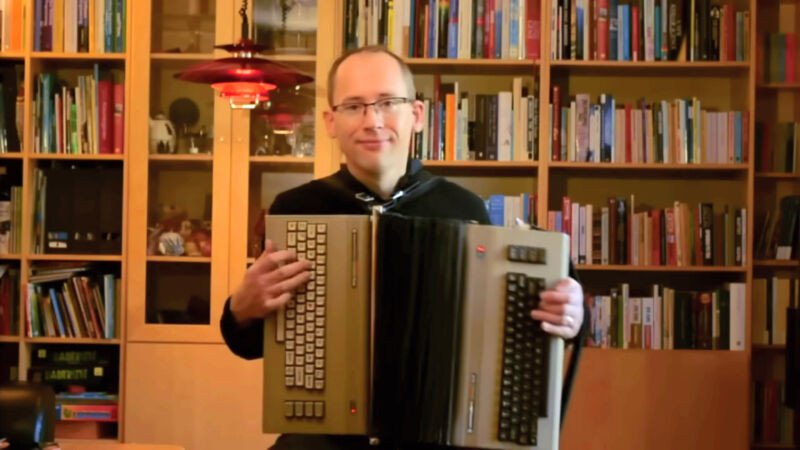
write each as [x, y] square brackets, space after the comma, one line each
[378, 138]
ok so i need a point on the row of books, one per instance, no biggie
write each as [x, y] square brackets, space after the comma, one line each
[669, 319]
[84, 119]
[779, 232]
[648, 30]
[772, 420]
[680, 235]
[72, 306]
[9, 298]
[677, 131]
[12, 20]
[504, 210]
[87, 406]
[96, 26]
[771, 298]
[11, 220]
[461, 126]
[777, 147]
[780, 58]
[493, 29]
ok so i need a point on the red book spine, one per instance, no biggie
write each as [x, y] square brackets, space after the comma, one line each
[602, 29]
[566, 216]
[628, 134]
[489, 35]
[655, 237]
[672, 256]
[105, 96]
[556, 156]
[635, 33]
[729, 15]
[791, 75]
[533, 30]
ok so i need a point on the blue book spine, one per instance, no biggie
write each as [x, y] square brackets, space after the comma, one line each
[579, 39]
[452, 31]
[689, 130]
[433, 17]
[37, 25]
[412, 30]
[526, 208]
[607, 128]
[498, 31]
[108, 23]
[119, 16]
[513, 29]
[738, 135]
[57, 309]
[613, 28]
[497, 209]
[626, 33]
[657, 32]
[559, 218]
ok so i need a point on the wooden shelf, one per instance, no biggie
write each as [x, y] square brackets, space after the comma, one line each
[778, 175]
[10, 339]
[472, 66]
[482, 164]
[10, 256]
[181, 157]
[778, 86]
[768, 348]
[12, 55]
[647, 166]
[282, 160]
[69, 340]
[776, 263]
[611, 268]
[179, 259]
[11, 155]
[79, 55]
[307, 59]
[73, 257]
[653, 66]
[78, 157]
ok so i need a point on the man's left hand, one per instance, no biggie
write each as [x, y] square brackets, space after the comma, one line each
[561, 309]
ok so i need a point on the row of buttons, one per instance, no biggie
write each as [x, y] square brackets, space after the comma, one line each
[303, 409]
[522, 253]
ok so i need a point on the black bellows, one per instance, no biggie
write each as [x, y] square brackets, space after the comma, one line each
[417, 328]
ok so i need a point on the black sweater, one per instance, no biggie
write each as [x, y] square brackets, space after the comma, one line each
[336, 195]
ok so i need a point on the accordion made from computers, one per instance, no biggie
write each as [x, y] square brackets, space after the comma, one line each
[416, 330]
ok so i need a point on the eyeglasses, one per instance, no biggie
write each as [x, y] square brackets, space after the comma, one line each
[385, 107]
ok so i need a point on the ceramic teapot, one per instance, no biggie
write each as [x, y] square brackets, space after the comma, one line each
[162, 135]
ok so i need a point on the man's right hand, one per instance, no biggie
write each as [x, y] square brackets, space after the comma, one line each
[268, 284]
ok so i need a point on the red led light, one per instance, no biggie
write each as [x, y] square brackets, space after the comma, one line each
[481, 249]
[352, 410]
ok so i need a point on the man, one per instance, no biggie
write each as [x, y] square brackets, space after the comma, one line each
[373, 115]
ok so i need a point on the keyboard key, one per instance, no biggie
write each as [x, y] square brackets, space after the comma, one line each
[309, 381]
[319, 409]
[300, 351]
[291, 225]
[309, 358]
[290, 324]
[320, 301]
[312, 255]
[289, 334]
[320, 270]
[298, 409]
[298, 378]
[289, 345]
[301, 226]
[321, 280]
[310, 325]
[312, 232]
[301, 329]
[319, 332]
[301, 246]
[320, 291]
[309, 368]
[300, 339]
[321, 238]
[321, 249]
[319, 384]
[291, 239]
[289, 358]
[320, 343]
[288, 409]
[320, 310]
[320, 321]
[301, 298]
[310, 347]
[319, 374]
[322, 227]
[319, 353]
[319, 363]
[311, 246]
[290, 381]
[311, 296]
[289, 371]
[321, 259]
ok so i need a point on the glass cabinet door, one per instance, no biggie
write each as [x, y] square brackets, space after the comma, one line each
[277, 145]
[180, 176]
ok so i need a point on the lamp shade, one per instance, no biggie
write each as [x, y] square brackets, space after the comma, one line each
[243, 78]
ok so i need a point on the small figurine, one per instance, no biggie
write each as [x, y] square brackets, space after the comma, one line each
[170, 244]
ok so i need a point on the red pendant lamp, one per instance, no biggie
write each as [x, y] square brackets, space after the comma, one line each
[243, 78]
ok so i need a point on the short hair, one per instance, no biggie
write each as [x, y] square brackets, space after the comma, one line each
[408, 77]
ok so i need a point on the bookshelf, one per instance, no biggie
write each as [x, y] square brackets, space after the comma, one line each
[777, 104]
[20, 353]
